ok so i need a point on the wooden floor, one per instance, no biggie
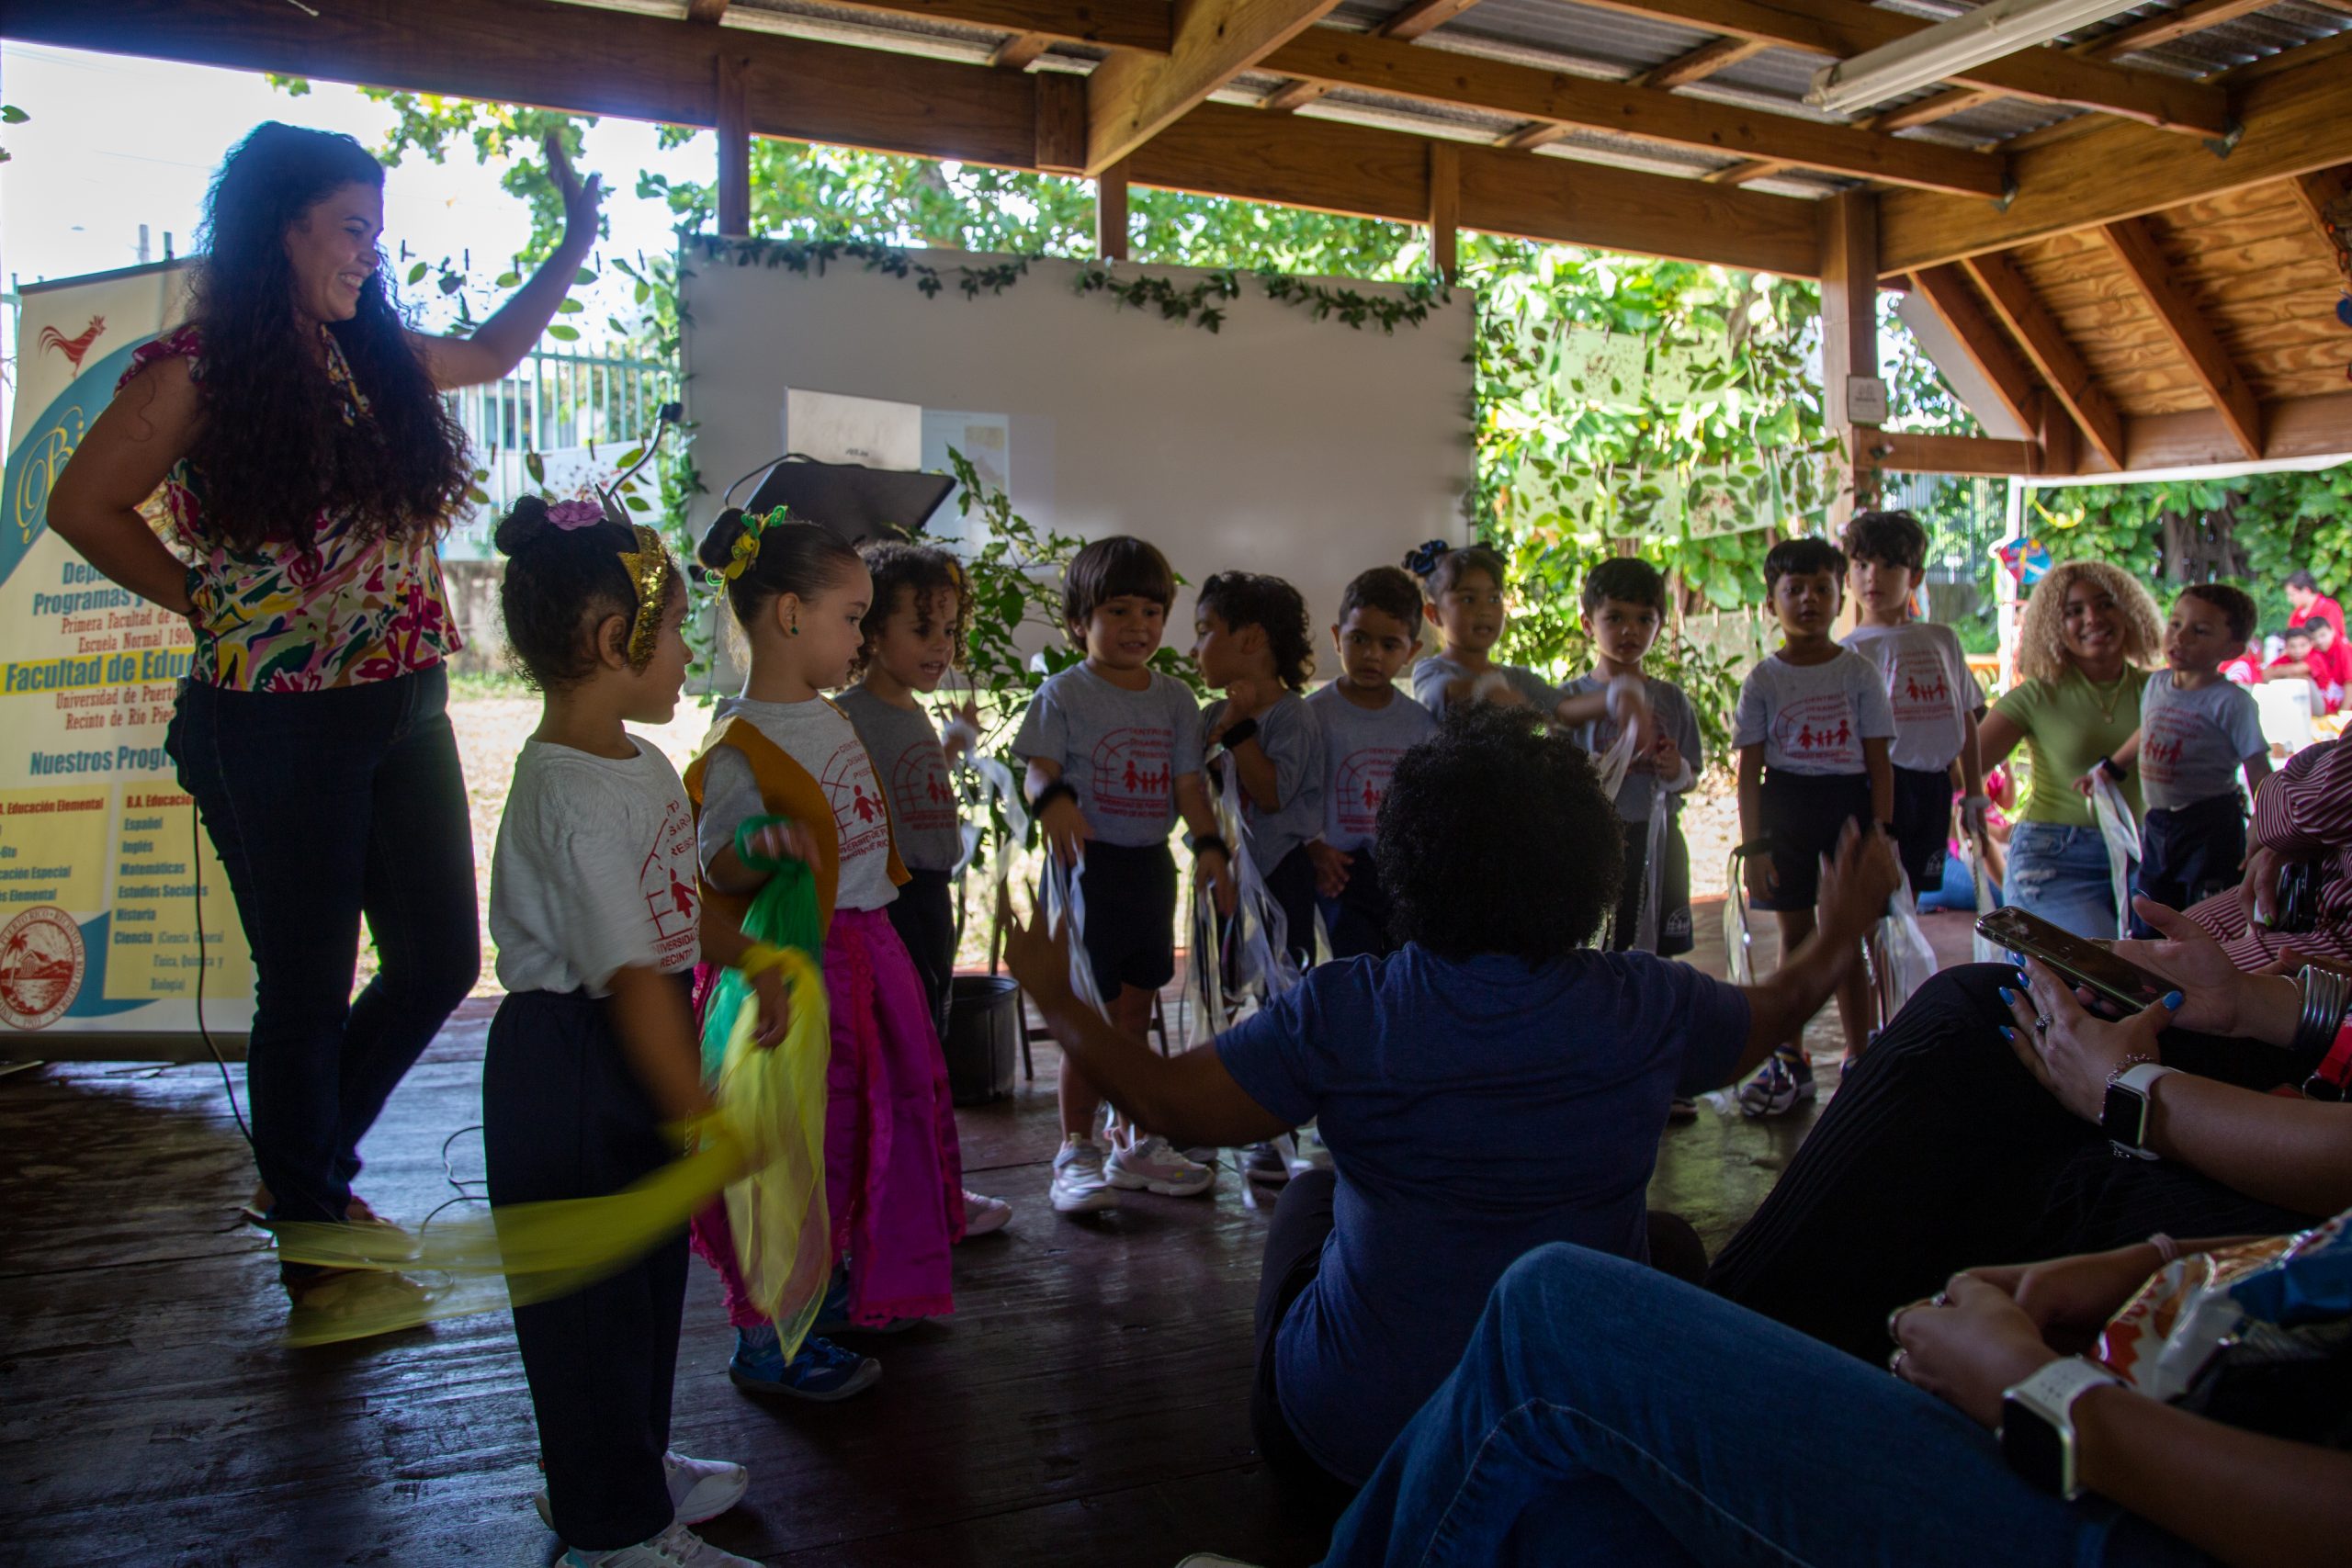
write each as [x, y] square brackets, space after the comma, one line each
[1086, 1404]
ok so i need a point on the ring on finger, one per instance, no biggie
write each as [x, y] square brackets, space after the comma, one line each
[2041, 1023]
[1895, 1362]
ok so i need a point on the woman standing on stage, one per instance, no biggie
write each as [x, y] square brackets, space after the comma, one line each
[308, 465]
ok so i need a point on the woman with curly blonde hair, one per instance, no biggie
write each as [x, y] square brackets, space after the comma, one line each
[2090, 630]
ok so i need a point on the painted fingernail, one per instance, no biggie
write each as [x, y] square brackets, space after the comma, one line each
[2173, 1001]
[2009, 997]
[2024, 979]
[2009, 1034]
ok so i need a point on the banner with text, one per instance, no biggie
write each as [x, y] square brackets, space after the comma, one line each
[101, 860]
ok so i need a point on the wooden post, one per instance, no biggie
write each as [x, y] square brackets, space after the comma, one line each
[1111, 214]
[1850, 335]
[1446, 208]
[734, 148]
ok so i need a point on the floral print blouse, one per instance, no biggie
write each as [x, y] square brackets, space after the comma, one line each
[345, 607]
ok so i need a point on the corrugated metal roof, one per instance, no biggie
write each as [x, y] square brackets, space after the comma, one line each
[1578, 32]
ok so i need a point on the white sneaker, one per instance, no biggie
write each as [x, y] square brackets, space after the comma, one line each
[1080, 1185]
[703, 1488]
[984, 1215]
[676, 1547]
[1779, 1086]
[700, 1489]
[1148, 1165]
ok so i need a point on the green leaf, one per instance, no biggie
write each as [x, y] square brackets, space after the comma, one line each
[535, 465]
[570, 307]
[563, 333]
[508, 280]
[11, 115]
[586, 274]
[416, 273]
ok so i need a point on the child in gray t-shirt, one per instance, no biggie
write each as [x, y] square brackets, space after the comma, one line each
[1252, 639]
[2198, 729]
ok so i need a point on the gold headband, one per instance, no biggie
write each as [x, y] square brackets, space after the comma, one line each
[649, 574]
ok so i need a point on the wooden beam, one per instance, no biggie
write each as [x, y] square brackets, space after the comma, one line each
[1700, 63]
[1446, 208]
[734, 128]
[1111, 229]
[2164, 28]
[1133, 96]
[2167, 27]
[1849, 330]
[2322, 195]
[1907, 452]
[1061, 123]
[1020, 52]
[1421, 17]
[1842, 30]
[2061, 366]
[1293, 97]
[1147, 24]
[2295, 427]
[2055, 432]
[2183, 323]
[1444, 77]
[1744, 172]
[1987, 345]
[2294, 123]
[582, 59]
[705, 11]
[1528, 138]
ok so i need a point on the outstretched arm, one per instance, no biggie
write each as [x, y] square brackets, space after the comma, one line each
[1190, 1098]
[499, 343]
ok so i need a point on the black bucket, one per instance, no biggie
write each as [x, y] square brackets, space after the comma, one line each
[983, 1038]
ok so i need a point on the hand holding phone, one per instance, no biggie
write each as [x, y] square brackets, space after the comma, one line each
[2083, 963]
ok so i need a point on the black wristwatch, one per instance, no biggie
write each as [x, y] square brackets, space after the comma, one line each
[2037, 1431]
[1236, 734]
[2113, 769]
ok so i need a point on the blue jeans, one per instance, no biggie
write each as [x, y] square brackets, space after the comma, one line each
[1607, 1413]
[2061, 873]
[328, 807]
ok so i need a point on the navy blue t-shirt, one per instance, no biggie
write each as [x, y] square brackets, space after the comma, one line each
[1474, 1110]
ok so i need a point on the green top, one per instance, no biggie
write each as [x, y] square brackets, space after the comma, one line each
[2070, 724]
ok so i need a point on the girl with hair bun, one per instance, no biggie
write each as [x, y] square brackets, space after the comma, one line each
[1463, 589]
[308, 465]
[893, 1177]
[592, 1053]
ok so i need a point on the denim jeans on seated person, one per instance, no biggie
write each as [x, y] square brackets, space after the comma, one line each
[1607, 1413]
[327, 808]
[2061, 873]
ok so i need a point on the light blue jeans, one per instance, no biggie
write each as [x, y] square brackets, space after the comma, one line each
[2061, 873]
[1605, 1413]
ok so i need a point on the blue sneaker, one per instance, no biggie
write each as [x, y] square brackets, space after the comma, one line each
[824, 1372]
[832, 1312]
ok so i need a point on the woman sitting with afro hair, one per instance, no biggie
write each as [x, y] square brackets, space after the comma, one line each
[1492, 1085]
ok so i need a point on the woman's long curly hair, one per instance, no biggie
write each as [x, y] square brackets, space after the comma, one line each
[2042, 642]
[274, 450]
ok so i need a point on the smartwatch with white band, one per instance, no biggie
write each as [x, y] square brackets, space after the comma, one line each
[2037, 1431]
[2126, 1115]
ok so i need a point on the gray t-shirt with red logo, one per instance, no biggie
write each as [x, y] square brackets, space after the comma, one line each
[1360, 751]
[1121, 750]
[2192, 743]
[912, 764]
[1813, 718]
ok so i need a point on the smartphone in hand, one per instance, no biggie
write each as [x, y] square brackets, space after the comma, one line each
[2081, 960]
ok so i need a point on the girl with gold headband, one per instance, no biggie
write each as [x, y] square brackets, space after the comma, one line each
[893, 1177]
[594, 908]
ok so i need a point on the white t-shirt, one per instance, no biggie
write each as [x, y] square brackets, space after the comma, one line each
[819, 737]
[1813, 718]
[594, 870]
[1929, 687]
[2192, 743]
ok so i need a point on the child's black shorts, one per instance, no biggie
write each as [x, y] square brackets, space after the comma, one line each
[1674, 890]
[1130, 896]
[1358, 919]
[1923, 826]
[2189, 852]
[1803, 814]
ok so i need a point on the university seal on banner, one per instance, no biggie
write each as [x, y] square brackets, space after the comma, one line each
[41, 964]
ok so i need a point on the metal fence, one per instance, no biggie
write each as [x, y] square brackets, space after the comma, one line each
[576, 412]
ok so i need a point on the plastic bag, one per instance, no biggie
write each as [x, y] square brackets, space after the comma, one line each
[2122, 831]
[1908, 957]
[1739, 964]
[1988, 898]
[2253, 1335]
